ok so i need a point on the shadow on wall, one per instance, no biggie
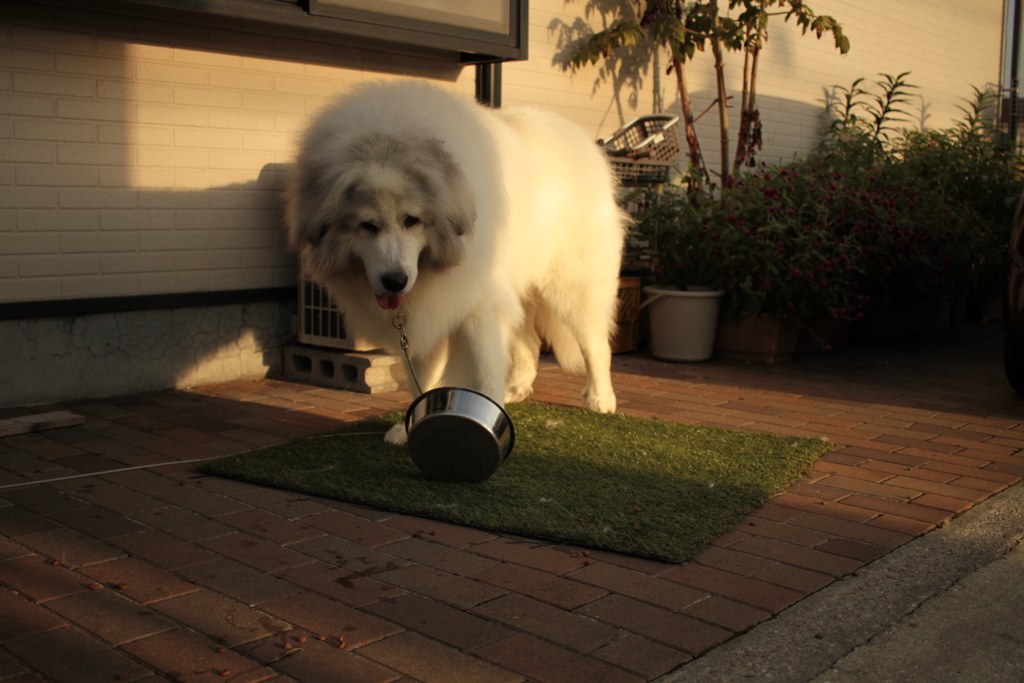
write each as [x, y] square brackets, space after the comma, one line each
[628, 70]
[216, 336]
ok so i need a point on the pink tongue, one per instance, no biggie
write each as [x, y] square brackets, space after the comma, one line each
[389, 301]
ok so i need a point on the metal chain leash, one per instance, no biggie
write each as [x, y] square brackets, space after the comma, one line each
[399, 324]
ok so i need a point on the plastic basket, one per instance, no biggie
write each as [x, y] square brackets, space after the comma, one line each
[655, 138]
[635, 173]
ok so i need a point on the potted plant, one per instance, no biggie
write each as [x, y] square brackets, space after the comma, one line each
[869, 229]
[683, 301]
[777, 243]
[787, 263]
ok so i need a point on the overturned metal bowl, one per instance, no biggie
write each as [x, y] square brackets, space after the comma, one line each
[458, 435]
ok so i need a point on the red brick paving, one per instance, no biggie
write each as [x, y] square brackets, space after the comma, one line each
[70, 655]
[163, 572]
[22, 618]
[111, 617]
[561, 627]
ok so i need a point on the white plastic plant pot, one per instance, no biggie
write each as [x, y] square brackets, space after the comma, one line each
[683, 322]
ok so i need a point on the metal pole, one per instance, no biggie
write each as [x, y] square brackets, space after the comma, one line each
[1015, 71]
[488, 84]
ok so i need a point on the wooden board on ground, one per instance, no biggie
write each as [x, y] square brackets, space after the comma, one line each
[39, 423]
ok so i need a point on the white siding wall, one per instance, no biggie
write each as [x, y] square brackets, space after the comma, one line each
[140, 156]
[947, 46]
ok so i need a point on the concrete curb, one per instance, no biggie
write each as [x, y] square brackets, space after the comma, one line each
[818, 633]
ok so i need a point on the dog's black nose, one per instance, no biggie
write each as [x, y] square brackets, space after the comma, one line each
[394, 282]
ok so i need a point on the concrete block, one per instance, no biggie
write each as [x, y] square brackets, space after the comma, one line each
[372, 372]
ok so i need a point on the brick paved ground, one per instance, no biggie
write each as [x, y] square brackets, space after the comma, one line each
[117, 566]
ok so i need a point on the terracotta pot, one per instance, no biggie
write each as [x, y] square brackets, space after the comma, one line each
[761, 339]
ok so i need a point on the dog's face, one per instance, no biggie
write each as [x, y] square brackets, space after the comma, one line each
[386, 207]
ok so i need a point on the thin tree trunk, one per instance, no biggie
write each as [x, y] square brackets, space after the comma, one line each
[748, 137]
[754, 135]
[744, 129]
[723, 112]
[746, 77]
[696, 160]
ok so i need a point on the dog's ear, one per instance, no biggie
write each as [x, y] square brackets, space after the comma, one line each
[300, 202]
[305, 196]
[453, 206]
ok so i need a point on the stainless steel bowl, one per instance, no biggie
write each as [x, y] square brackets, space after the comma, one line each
[458, 434]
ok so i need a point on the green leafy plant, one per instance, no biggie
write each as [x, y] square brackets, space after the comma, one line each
[862, 120]
[979, 177]
[671, 224]
[949, 194]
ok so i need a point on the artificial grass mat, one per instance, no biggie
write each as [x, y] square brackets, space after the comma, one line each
[640, 486]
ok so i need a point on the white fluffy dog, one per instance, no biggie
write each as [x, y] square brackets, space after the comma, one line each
[488, 230]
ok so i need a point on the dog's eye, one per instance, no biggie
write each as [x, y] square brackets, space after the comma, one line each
[323, 233]
[410, 221]
[369, 227]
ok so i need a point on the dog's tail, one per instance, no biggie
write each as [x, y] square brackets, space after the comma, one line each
[562, 342]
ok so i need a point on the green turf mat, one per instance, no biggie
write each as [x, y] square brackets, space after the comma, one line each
[641, 486]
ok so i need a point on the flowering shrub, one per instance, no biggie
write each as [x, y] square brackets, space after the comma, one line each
[768, 241]
[977, 182]
[956, 188]
[834, 233]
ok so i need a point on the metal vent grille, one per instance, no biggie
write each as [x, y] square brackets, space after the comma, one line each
[320, 321]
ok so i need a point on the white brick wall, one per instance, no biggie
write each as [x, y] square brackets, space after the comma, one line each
[144, 156]
[132, 148]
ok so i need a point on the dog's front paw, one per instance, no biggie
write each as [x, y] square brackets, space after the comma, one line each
[600, 404]
[517, 394]
[396, 435]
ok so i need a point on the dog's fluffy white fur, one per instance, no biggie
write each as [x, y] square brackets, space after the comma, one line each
[488, 230]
